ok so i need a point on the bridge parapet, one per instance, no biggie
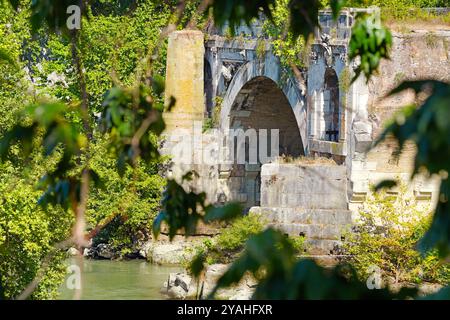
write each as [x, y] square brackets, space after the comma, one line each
[339, 31]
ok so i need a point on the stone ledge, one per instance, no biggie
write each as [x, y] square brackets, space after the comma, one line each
[311, 231]
[304, 216]
[322, 246]
[335, 148]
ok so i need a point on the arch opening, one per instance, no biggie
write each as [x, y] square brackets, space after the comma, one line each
[208, 87]
[331, 105]
[264, 115]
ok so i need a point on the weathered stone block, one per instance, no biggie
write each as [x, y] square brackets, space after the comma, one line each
[184, 78]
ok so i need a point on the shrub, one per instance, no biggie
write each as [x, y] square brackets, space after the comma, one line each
[298, 243]
[234, 237]
[386, 235]
[225, 247]
[229, 243]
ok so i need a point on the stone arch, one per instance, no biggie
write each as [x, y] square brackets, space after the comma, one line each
[268, 68]
[260, 106]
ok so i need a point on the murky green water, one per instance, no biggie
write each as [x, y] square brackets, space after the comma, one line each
[120, 280]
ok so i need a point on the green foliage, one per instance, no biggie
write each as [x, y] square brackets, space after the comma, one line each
[284, 44]
[180, 209]
[27, 231]
[132, 122]
[131, 200]
[261, 48]
[269, 257]
[307, 11]
[371, 42]
[385, 184]
[237, 12]
[401, 9]
[228, 244]
[386, 236]
[58, 135]
[397, 3]
[14, 89]
[27, 234]
[5, 56]
[214, 120]
[234, 236]
[54, 15]
[438, 235]
[111, 45]
[298, 243]
[208, 124]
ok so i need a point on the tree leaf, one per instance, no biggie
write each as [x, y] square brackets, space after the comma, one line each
[336, 6]
[370, 42]
[385, 184]
[224, 213]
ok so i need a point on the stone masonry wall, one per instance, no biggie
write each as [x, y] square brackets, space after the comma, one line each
[306, 200]
[417, 55]
[184, 79]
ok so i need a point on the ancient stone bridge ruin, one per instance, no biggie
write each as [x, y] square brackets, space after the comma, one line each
[223, 83]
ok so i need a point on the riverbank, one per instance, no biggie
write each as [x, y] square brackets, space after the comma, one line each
[182, 286]
[172, 257]
[159, 252]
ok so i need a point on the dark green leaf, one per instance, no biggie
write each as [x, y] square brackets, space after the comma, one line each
[304, 17]
[336, 6]
[197, 265]
[370, 42]
[158, 84]
[385, 184]
[236, 12]
[438, 235]
[225, 213]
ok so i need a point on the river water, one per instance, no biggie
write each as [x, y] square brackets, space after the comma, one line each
[119, 280]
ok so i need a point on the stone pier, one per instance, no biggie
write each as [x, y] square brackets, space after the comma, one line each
[306, 200]
[184, 79]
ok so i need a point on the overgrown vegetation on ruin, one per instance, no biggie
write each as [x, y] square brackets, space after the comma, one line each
[406, 10]
[302, 160]
[230, 243]
[290, 49]
[385, 237]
